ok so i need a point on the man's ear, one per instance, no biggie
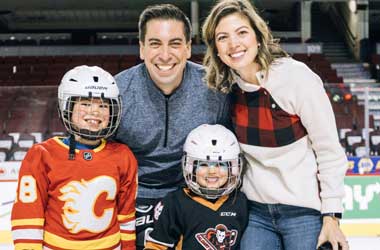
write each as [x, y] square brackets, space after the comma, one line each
[142, 46]
[188, 46]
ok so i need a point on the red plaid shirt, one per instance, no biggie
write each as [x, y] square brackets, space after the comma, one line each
[259, 121]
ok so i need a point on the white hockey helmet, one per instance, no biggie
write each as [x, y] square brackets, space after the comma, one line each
[89, 82]
[213, 144]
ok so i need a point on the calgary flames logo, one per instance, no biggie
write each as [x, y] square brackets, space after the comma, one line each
[218, 238]
[80, 198]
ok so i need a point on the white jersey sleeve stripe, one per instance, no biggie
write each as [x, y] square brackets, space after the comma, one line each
[130, 226]
[32, 234]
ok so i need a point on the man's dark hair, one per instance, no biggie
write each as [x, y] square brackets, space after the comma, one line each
[164, 12]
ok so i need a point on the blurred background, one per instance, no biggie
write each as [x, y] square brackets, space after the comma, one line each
[340, 40]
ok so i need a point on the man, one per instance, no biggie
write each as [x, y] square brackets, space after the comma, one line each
[164, 98]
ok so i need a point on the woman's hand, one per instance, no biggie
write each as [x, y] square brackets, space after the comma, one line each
[332, 233]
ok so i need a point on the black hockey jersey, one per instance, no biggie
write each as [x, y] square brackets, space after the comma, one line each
[189, 222]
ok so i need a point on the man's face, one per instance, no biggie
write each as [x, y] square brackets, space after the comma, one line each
[165, 51]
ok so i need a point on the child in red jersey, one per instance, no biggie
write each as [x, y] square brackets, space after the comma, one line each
[79, 192]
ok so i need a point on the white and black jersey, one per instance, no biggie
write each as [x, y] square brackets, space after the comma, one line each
[189, 222]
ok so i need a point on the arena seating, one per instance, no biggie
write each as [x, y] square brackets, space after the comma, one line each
[28, 104]
[320, 65]
[48, 70]
[375, 62]
[6, 144]
[3, 154]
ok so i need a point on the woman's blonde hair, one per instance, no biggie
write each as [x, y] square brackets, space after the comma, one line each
[218, 74]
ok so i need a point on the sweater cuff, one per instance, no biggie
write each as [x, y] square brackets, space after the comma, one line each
[332, 205]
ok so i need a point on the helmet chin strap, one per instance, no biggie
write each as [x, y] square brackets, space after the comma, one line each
[90, 135]
[72, 147]
[210, 193]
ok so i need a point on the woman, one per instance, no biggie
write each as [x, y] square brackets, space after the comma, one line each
[286, 127]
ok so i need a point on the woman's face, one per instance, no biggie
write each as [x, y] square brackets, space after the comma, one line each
[236, 42]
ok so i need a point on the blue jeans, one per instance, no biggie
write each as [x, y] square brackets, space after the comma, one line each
[281, 227]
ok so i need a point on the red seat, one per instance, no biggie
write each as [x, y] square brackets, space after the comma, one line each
[317, 57]
[111, 66]
[301, 57]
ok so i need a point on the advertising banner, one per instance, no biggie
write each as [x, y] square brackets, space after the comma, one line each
[363, 165]
[361, 204]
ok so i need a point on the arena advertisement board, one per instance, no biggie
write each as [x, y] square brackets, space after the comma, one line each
[9, 171]
[362, 205]
[363, 165]
[8, 183]
[362, 200]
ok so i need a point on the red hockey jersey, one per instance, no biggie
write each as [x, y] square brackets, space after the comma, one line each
[86, 203]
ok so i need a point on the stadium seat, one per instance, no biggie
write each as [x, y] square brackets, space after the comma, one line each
[46, 59]
[317, 57]
[342, 132]
[62, 60]
[15, 125]
[53, 134]
[18, 153]
[301, 57]
[28, 60]
[352, 137]
[78, 60]
[26, 140]
[359, 149]
[374, 141]
[4, 154]
[6, 141]
[111, 66]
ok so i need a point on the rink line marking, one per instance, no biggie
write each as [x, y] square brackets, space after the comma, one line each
[361, 229]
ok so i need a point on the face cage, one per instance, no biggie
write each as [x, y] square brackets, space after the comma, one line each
[113, 123]
[190, 165]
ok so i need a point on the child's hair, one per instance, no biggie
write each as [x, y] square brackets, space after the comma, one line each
[213, 144]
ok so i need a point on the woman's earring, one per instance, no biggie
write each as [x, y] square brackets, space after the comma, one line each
[258, 45]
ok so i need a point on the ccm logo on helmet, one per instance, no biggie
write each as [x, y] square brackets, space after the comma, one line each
[96, 87]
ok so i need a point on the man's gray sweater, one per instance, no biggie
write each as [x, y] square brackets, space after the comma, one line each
[155, 126]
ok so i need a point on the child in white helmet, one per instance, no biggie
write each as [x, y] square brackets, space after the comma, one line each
[79, 192]
[210, 213]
